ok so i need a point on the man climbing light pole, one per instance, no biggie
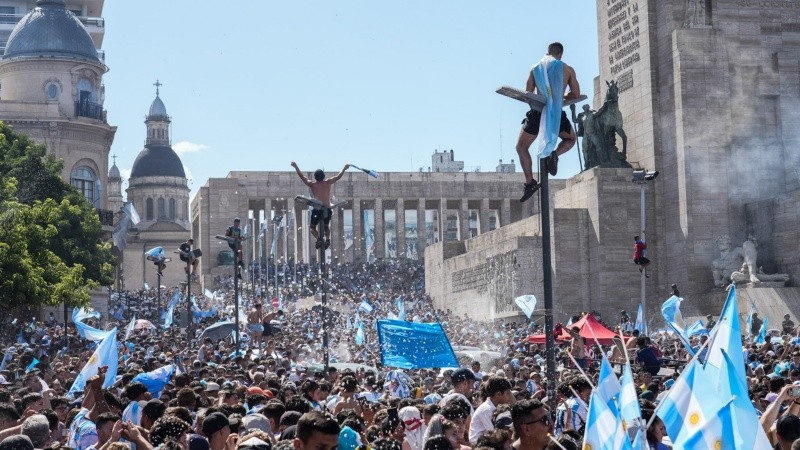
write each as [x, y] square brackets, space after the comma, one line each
[546, 93]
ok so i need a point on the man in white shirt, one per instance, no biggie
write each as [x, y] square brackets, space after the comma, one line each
[498, 392]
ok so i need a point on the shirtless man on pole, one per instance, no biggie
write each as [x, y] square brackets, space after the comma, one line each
[530, 128]
[321, 191]
[254, 325]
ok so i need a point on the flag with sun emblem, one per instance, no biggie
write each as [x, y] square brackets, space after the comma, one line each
[105, 355]
[682, 410]
[604, 429]
[715, 434]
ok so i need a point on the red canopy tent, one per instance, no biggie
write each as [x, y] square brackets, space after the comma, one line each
[590, 329]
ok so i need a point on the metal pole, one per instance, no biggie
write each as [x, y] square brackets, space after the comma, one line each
[324, 278]
[189, 305]
[285, 246]
[66, 324]
[236, 291]
[275, 256]
[547, 278]
[643, 275]
[158, 292]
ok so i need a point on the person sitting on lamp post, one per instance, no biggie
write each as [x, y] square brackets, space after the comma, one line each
[234, 231]
[156, 254]
[187, 256]
[321, 191]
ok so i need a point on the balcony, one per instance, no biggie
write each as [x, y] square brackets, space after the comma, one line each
[90, 110]
[106, 217]
[12, 19]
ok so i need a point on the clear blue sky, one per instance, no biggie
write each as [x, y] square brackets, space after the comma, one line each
[255, 85]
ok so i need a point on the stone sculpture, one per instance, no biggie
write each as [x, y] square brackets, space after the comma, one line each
[599, 130]
[739, 264]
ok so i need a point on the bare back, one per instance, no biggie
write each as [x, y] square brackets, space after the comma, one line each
[321, 190]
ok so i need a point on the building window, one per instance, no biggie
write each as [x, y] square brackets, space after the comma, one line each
[53, 91]
[172, 209]
[149, 209]
[162, 211]
[86, 182]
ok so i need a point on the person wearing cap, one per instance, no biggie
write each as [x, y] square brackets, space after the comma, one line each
[316, 431]
[463, 381]
[235, 232]
[217, 428]
[212, 391]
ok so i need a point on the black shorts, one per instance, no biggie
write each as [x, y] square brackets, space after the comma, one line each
[318, 214]
[530, 124]
[641, 261]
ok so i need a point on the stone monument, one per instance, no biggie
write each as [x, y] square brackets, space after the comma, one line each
[599, 130]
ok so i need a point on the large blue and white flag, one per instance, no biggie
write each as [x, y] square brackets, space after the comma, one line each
[360, 334]
[641, 325]
[715, 433]
[410, 345]
[79, 314]
[155, 380]
[762, 332]
[696, 329]
[747, 430]
[686, 408]
[365, 306]
[671, 311]
[727, 335]
[628, 400]
[549, 77]
[104, 355]
[608, 387]
[86, 331]
[604, 429]
[168, 317]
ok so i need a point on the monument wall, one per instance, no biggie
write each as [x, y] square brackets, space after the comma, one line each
[709, 95]
[594, 219]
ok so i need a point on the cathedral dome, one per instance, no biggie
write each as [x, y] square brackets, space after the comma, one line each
[158, 160]
[157, 109]
[51, 30]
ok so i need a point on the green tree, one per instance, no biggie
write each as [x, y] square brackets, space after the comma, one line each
[51, 247]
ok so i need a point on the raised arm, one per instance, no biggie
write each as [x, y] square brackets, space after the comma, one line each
[339, 175]
[300, 174]
[530, 85]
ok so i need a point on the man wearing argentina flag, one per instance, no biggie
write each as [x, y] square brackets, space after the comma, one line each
[550, 78]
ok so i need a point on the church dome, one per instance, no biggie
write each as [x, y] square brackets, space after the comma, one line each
[158, 160]
[157, 109]
[113, 173]
[51, 30]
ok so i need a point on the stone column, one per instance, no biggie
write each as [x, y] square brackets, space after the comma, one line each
[463, 221]
[421, 232]
[339, 235]
[358, 232]
[267, 243]
[505, 212]
[336, 236]
[483, 216]
[400, 227]
[299, 232]
[442, 219]
[380, 230]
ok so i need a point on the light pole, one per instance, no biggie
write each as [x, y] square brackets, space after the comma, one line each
[547, 281]
[641, 177]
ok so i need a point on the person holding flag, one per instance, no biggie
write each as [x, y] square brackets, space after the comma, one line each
[551, 78]
[321, 191]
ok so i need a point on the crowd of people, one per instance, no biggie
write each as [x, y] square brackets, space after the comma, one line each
[275, 392]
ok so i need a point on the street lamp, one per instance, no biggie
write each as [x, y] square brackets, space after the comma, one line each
[641, 177]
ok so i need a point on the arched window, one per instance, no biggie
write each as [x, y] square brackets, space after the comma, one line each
[85, 180]
[162, 210]
[149, 208]
[172, 209]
